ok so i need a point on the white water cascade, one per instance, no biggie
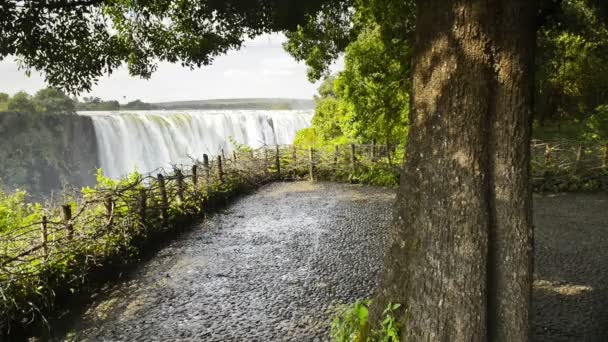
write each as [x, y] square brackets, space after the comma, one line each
[147, 140]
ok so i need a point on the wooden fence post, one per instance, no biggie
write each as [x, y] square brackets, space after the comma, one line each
[180, 185]
[195, 176]
[373, 150]
[606, 155]
[336, 156]
[577, 160]
[220, 170]
[206, 167]
[278, 162]
[388, 152]
[45, 234]
[547, 154]
[164, 203]
[294, 155]
[66, 215]
[142, 207]
[311, 164]
[353, 157]
[109, 205]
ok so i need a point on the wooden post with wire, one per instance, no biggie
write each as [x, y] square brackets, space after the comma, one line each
[142, 207]
[66, 216]
[109, 205]
[547, 154]
[195, 176]
[373, 150]
[353, 158]
[220, 170]
[45, 237]
[278, 161]
[311, 164]
[577, 160]
[294, 156]
[388, 152]
[180, 185]
[164, 203]
[605, 155]
[336, 156]
[206, 167]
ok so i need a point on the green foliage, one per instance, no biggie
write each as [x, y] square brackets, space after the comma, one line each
[4, 97]
[389, 328]
[52, 100]
[47, 101]
[323, 37]
[238, 147]
[379, 176]
[368, 101]
[571, 73]
[21, 103]
[15, 211]
[375, 87]
[74, 43]
[95, 103]
[307, 137]
[138, 105]
[598, 124]
[351, 324]
[110, 227]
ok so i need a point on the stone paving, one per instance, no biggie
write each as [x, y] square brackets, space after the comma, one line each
[272, 267]
[275, 264]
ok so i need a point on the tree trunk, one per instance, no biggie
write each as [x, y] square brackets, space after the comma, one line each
[461, 251]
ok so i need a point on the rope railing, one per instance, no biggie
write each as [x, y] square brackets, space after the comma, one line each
[61, 243]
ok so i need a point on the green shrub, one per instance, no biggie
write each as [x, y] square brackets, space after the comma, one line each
[351, 324]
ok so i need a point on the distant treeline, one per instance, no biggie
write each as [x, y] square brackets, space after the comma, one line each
[235, 104]
[55, 101]
[95, 103]
[51, 100]
[48, 100]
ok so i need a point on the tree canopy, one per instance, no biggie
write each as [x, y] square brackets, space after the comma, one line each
[74, 42]
[52, 100]
[571, 74]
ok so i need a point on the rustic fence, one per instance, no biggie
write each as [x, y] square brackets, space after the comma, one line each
[569, 165]
[62, 243]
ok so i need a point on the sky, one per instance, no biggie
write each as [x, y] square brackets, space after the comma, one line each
[260, 69]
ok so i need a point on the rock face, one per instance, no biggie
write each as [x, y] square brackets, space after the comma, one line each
[43, 153]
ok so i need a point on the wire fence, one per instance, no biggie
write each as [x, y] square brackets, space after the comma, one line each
[60, 244]
[569, 165]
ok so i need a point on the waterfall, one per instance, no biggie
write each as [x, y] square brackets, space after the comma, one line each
[147, 140]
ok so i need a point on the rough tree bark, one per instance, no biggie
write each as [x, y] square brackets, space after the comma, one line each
[461, 253]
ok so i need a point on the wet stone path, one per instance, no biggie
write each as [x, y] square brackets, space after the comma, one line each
[274, 265]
